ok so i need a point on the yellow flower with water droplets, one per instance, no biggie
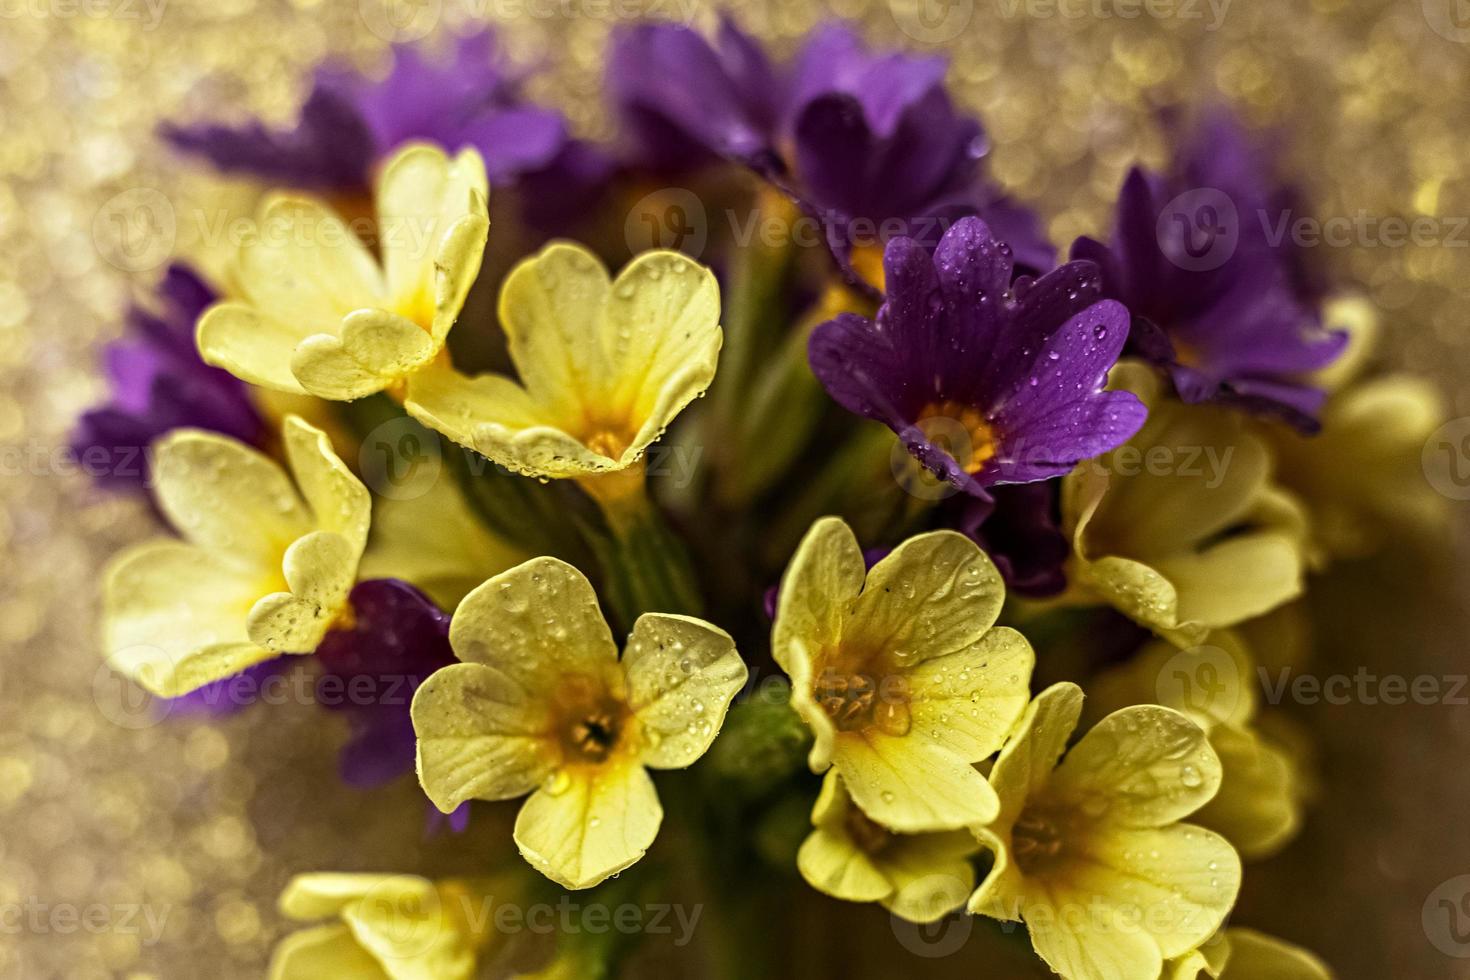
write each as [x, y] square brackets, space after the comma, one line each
[1259, 805]
[315, 312]
[542, 704]
[1091, 854]
[1182, 528]
[264, 566]
[387, 927]
[605, 364]
[918, 877]
[1244, 954]
[901, 673]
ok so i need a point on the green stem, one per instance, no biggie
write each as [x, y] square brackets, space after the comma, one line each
[645, 566]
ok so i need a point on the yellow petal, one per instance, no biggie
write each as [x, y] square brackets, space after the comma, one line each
[337, 499]
[174, 616]
[682, 673]
[970, 700]
[414, 931]
[1144, 766]
[817, 592]
[1002, 895]
[1083, 940]
[1212, 683]
[1234, 580]
[325, 951]
[1258, 807]
[480, 736]
[224, 496]
[1209, 959]
[551, 307]
[931, 874]
[435, 543]
[376, 348]
[432, 214]
[1174, 884]
[829, 859]
[933, 595]
[662, 335]
[497, 418]
[1026, 763]
[306, 267]
[322, 895]
[320, 569]
[536, 624]
[1256, 956]
[584, 829]
[910, 784]
[251, 344]
[1139, 592]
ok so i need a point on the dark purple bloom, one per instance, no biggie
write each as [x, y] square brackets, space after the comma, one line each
[159, 383]
[986, 381]
[230, 694]
[869, 144]
[349, 123]
[371, 669]
[1021, 530]
[1228, 309]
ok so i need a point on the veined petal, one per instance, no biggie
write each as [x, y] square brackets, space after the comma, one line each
[911, 785]
[661, 331]
[830, 860]
[1084, 940]
[551, 307]
[931, 874]
[319, 569]
[337, 499]
[597, 824]
[1028, 759]
[1138, 592]
[222, 495]
[970, 700]
[536, 624]
[376, 348]
[322, 895]
[1174, 884]
[682, 673]
[821, 583]
[1143, 766]
[479, 736]
[411, 932]
[935, 594]
[323, 951]
[174, 616]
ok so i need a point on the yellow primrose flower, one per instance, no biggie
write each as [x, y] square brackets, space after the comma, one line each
[264, 567]
[542, 703]
[1244, 954]
[1259, 805]
[903, 678]
[1091, 855]
[919, 877]
[390, 927]
[316, 312]
[605, 365]
[434, 542]
[1181, 528]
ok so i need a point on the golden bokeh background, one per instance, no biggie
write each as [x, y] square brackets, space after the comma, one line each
[200, 824]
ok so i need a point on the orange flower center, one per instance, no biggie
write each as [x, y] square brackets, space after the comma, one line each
[1036, 839]
[869, 837]
[961, 431]
[861, 692]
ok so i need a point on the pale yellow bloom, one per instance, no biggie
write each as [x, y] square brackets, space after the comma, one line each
[1091, 854]
[605, 365]
[919, 877]
[434, 542]
[901, 673]
[1259, 805]
[542, 704]
[315, 311]
[1244, 954]
[388, 927]
[1182, 528]
[263, 568]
